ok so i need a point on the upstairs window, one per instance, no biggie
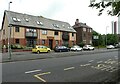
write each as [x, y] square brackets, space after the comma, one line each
[90, 30]
[16, 19]
[27, 20]
[17, 29]
[56, 26]
[31, 30]
[84, 29]
[39, 23]
[72, 34]
[56, 33]
[44, 31]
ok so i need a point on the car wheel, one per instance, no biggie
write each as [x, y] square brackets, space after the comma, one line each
[38, 52]
[48, 51]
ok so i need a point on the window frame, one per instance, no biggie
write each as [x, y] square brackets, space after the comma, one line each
[17, 29]
[44, 32]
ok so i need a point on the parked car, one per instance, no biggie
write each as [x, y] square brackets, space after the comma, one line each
[76, 48]
[61, 49]
[110, 47]
[88, 47]
[40, 48]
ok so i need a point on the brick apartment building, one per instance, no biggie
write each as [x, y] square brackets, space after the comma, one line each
[29, 30]
[84, 33]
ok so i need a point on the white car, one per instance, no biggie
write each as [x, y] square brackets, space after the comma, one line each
[88, 47]
[76, 48]
[110, 47]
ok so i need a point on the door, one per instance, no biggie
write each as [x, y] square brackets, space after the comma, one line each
[51, 43]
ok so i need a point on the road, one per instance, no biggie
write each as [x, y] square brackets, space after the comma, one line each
[99, 67]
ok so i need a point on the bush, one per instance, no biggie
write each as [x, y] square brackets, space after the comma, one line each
[81, 44]
[16, 46]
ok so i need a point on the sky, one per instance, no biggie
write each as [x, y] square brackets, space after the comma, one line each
[62, 10]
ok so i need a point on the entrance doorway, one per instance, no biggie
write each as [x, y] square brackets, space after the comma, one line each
[51, 43]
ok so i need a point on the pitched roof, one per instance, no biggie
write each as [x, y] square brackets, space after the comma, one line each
[26, 20]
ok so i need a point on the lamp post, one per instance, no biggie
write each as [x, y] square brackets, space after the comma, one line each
[9, 41]
[106, 34]
[9, 35]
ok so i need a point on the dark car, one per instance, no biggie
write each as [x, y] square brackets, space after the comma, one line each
[61, 49]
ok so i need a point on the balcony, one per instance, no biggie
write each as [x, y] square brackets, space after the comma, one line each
[31, 34]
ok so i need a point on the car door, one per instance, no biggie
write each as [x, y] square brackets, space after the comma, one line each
[44, 49]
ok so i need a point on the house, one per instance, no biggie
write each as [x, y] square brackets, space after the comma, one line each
[84, 33]
[29, 30]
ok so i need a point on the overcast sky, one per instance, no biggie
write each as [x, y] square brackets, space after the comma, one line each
[63, 10]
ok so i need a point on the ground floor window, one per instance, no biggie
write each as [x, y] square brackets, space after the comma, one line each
[17, 41]
[65, 43]
[31, 42]
[57, 42]
[43, 42]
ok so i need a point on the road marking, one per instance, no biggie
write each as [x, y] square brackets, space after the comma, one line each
[43, 73]
[69, 68]
[91, 60]
[85, 65]
[99, 61]
[32, 71]
[38, 76]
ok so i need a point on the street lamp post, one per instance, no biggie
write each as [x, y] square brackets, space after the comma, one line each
[9, 41]
[106, 34]
[9, 35]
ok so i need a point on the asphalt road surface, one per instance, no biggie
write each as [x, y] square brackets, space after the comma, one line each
[101, 67]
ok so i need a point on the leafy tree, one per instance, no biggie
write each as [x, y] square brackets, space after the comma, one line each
[103, 4]
[112, 39]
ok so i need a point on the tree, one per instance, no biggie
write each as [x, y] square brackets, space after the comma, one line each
[112, 39]
[103, 4]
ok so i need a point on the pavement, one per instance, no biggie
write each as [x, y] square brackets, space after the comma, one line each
[24, 56]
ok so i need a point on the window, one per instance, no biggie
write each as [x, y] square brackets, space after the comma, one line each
[84, 29]
[55, 25]
[43, 42]
[72, 34]
[30, 30]
[90, 30]
[44, 31]
[84, 35]
[16, 29]
[39, 23]
[17, 41]
[56, 33]
[27, 20]
[16, 19]
[57, 42]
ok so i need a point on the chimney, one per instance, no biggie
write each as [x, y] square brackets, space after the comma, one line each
[77, 22]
